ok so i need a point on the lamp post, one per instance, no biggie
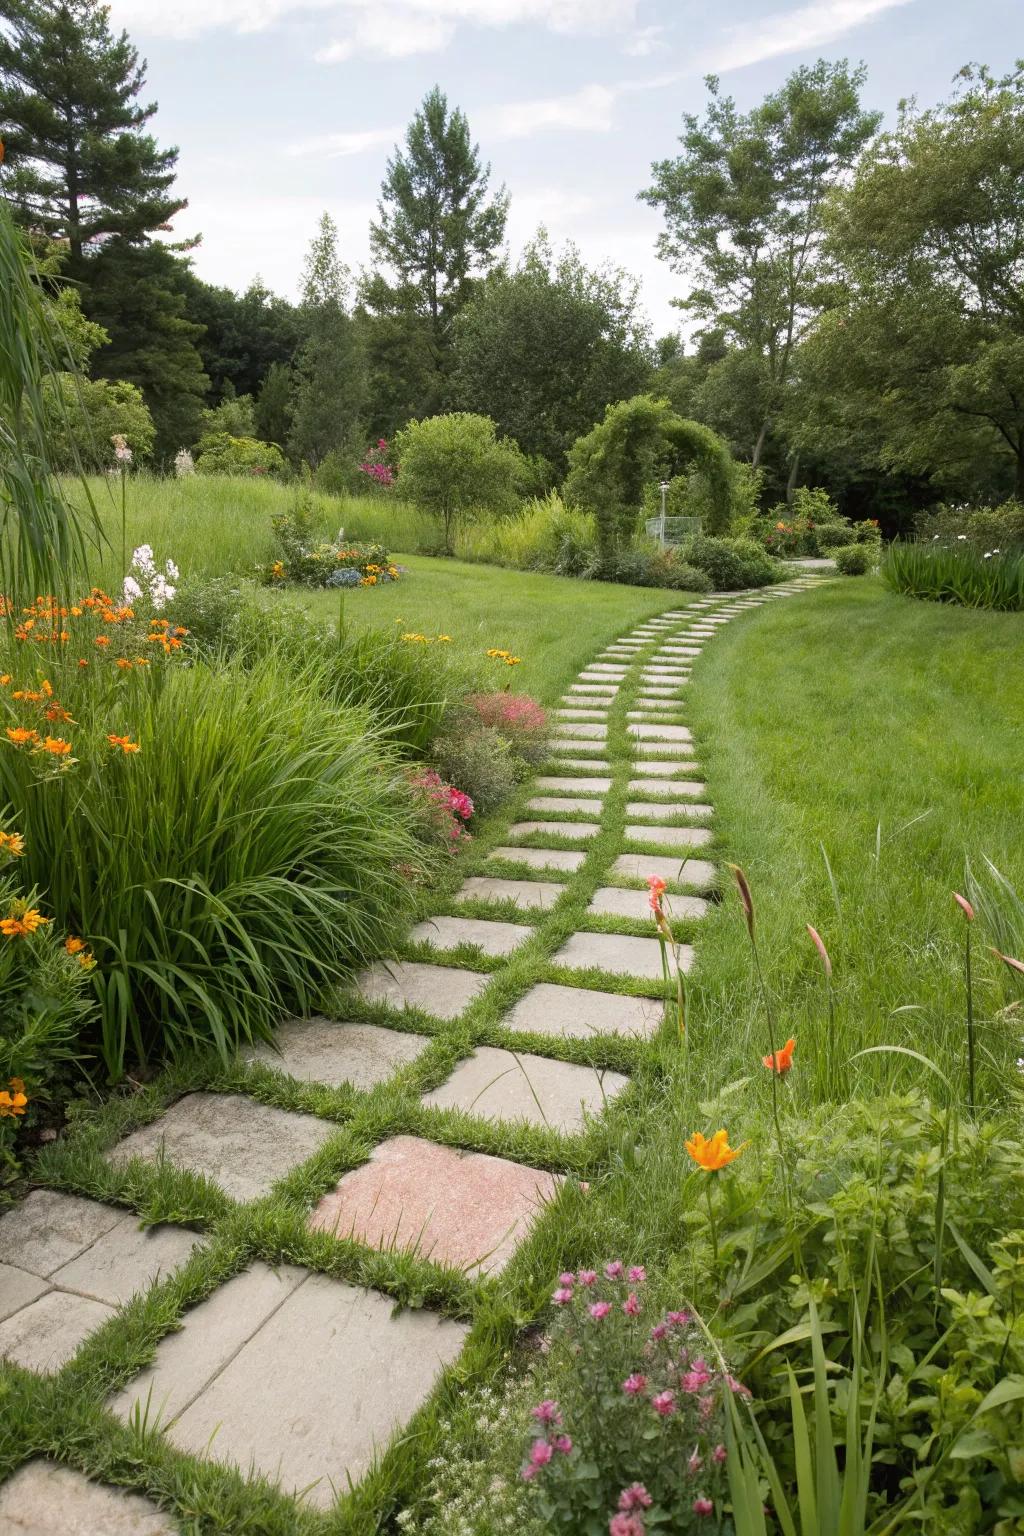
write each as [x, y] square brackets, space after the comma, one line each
[663, 488]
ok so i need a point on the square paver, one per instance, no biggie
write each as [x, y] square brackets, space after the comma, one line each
[617, 954]
[563, 803]
[514, 1086]
[577, 1012]
[670, 837]
[465, 1209]
[493, 938]
[313, 1392]
[565, 859]
[697, 873]
[44, 1335]
[541, 894]
[243, 1146]
[326, 1051]
[18, 1288]
[46, 1499]
[580, 786]
[127, 1259]
[614, 901]
[441, 990]
[48, 1229]
[574, 830]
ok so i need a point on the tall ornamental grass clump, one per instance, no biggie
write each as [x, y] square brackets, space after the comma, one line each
[225, 841]
[957, 573]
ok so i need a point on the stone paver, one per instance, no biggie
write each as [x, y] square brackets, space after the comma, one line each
[680, 750]
[588, 765]
[324, 1051]
[594, 690]
[582, 786]
[607, 669]
[580, 714]
[577, 1012]
[614, 901]
[617, 954]
[441, 990]
[243, 1146]
[574, 830]
[557, 746]
[542, 858]
[541, 894]
[644, 810]
[670, 837]
[17, 1289]
[662, 691]
[492, 937]
[513, 1086]
[46, 1499]
[657, 714]
[127, 1259]
[656, 786]
[662, 704]
[465, 1209]
[698, 873]
[584, 729]
[316, 1390]
[44, 1335]
[564, 803]
[660, 732]
[48, 1229]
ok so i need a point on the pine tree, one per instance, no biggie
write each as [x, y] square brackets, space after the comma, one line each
[81, 165]
[436, 234]
[331, 374]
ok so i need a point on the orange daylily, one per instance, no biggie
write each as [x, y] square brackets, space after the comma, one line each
[125, 743]
[21, 927]
[715, 1154]
[781, 1061]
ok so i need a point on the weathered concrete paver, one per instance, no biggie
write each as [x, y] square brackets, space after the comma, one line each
[617, 954]
[574, 830]
[597, 751]
[646, 811]
[591, 712]
[494, 938]
[655, 786]
[18, 1288]
[321, 1050]
[127, 1259]
[698, 873]
[578, 1012]
[564, 803]
[49, 1228]
[542, 858]
[541, 894]
[581, 786]
[513, 1086]
[660, 732]
[44, 1498]
[243, 1146]
[44, 1335]
[465, 1209]
[586, 730]
[669, 837]
[615, 901]
[441, 990]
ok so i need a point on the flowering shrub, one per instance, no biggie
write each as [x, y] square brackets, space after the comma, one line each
[517, 718]
[312, 562]
[144, 582]
[637, 1440]
[376, 466]
[445, 808]
[184, 464]
[490, 744]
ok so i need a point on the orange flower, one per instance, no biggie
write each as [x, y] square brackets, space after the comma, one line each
[781, 1061]
[102, 639]
[657, 887]
[715, 1154]
[20, 736]
[82, 661]
[74, 946]
[12, 1104]
[5, 679]
[58, 714]
[56, 746]
[124, 665]
[21, 927]
[13, 844]
[125, 743]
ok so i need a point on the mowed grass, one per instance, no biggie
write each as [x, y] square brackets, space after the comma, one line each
[861, 749]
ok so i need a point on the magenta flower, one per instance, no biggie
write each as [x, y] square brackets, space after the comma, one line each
[562, 1296]
[563, 1444]
[587, 1276]
[638, 1274]
[706, 1406]
[694, 1464]
[547, 1412]
[697, 1378]
[615, 1270]
[703, 1507]
[625, 1525]
[658, 1332]
[528, 1472]
[634, 1384]
[600, 1310]
[678, 1319]
[635, 1497]
[737, 1386]
[719, 1454]
[540, 1453]
[631, 1305]
[567, 1279]
[664, 1403]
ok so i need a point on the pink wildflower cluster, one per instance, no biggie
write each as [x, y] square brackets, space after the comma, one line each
[516, 716]
[547, 1445]
[376, 464]
[448, 808]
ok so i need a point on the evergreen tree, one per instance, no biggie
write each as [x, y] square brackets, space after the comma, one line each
[437, 231]
[81, 165]
[331, 373]
[274, 405]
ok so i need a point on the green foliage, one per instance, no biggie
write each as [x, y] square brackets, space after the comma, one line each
[853, 559]
[992, 528]
[957, 573]
[234, 416]
[730, 564]
[649, 566]
[545, 535]
[330, 372]
[483, 764]
[273, 405]
[218, 453]
[451, 466]
[82, 415]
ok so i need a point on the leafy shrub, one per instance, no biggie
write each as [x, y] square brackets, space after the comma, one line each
[300, 557]
[854, 559]
[994, 528]
[218, 453]
[730, 564]
[957, 573]
[453, 465]
[649, 567]
[482, 762]
[829, 536]
[82, 415]
[536, 538]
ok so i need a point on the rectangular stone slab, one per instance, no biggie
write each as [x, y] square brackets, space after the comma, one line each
[44, 1335]
[577, 1012]
[320, 1050]
[574, 830]
[441, 990]
[670, 837]
[592, 690]
[660, 732]
[607, 669]
[655, 751]
[658, 714]
[541, 894]
[586, 730]
[646, 811]
[464, 1209]
[589, 765]
[614, 901]
[618, 954]
[46, 1499]
[656, 786]
[698, 873]
[596, 713]
[127, 1259]
[514, 1086]
[581, 786]
[243, 1146]
[494, 938]
[558, 746]
[350, 1371]
[564, 803]
[542, 858]
[18, 1288]
[49, 1228]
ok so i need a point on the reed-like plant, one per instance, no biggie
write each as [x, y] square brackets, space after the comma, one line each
[957, 573]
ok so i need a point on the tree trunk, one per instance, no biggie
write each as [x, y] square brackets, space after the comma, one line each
[759, 445]
[1019, 486]
[794, 468]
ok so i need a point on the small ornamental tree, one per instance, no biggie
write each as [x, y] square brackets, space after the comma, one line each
[452, 466]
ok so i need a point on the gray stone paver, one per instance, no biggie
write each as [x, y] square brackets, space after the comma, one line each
[575, 831]
[697, 873]
[585, 729]
[127, 1259]
[45, 1499]
[564, 803]
[322, 1050]
[243, 1146]
[513, 1086]
[669, 837]
[494, 938]
[616, 953]
[607, 669]
[541, 894]
[659, 732]
[615, 901]
[586, 765]
[48, 1228]
[644, 810]
[44, 1335]
[441, 990]
[558, 746]
[582, 786]
[681, 751]
[18, 1288]
[593, 713]
[542, 858]
[578, 1012]
[655, 786]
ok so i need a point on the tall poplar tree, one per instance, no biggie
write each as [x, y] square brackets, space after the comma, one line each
[330, 370]
[80, 164]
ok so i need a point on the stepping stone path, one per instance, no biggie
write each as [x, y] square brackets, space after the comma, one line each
[297, 1373]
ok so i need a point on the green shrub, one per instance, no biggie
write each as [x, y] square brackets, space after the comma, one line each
[730, 564]
[450, 466]
[829, 536]
[482, 763]
[218, 453]
[989, 528]
[854, 559]
[649, 567]
[532, 539]
[957, 573]
[83, 415]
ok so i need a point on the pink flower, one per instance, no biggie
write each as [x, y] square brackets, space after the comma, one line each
[546, 1412]
[697, 1378]
[694, 1464]
[527, 1473]
[638, 1274]
[614, 1270]
[540, 1453]
[563, 1444]
[706, 1406]
[382, 442]
[634, 1384]
[635, 1497]
[600, 1310]
[678, 1319]
[737, 1386]
[562, 1296]
[658, 1332]
[664, 1403]
[719, 1454]
[631, 1305]
[625, 1525]
[703, 1507]
[567, 1279]
[587, 1276]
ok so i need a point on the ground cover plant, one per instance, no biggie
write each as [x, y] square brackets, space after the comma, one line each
[957, 572]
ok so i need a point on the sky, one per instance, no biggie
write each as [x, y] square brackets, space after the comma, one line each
[285, 108]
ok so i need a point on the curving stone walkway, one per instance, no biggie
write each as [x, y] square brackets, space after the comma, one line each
[494, 1018]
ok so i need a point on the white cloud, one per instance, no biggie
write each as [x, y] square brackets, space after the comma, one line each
[791, 32]
[189, 18]
[588, 110]
[339, 146]
[389, 34]
[645, 41]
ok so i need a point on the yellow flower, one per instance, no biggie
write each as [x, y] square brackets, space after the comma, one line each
[13, 844]
[74, 946]
[714, 1154]
[13, 1102]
